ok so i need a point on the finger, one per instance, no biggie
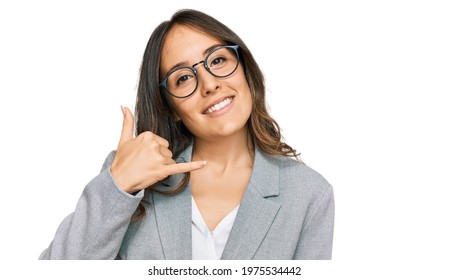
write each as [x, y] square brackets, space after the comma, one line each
[161, 141]
[184, 167]
[169, 161]
[165, 152]
[128, 126]
[150, 136]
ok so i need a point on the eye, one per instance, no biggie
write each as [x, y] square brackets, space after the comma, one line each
[183, 79]
[217, 61]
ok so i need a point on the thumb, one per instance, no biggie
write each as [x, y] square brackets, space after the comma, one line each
[128, 126]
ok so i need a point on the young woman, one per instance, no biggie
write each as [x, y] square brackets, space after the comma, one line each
[207, 176]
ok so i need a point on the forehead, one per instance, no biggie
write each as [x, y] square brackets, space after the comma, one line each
[185, 44]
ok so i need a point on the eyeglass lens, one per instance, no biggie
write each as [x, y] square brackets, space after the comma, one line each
[220, 63]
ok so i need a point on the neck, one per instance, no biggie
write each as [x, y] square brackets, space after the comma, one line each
[234, 151]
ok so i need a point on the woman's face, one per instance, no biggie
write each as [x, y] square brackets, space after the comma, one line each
[186, 46]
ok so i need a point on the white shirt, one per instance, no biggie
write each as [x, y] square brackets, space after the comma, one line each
[208, 245]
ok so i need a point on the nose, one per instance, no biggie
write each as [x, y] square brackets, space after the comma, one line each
[207, 83]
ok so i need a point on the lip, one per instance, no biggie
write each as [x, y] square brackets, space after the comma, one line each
[216, 101]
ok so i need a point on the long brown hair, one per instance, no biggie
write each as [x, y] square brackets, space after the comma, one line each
[153, 109]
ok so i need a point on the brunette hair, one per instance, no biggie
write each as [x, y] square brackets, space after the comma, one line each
[153, 110]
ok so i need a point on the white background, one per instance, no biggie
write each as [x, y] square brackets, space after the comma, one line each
[359, 88]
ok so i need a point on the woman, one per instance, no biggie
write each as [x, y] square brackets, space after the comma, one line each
[208, 176]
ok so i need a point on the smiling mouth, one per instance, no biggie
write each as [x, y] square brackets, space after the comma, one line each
[219, 106]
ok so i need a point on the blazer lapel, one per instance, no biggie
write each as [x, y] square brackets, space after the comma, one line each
[256, 213]
[174, 223]
[174, 216]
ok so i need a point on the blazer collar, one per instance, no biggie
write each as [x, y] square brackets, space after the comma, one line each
[253, 220]
[256, 213]
[173, 214]
[265, 175]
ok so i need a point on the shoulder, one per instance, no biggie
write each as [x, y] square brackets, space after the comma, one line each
[298, 179]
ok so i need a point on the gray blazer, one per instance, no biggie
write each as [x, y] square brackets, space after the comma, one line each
[287, 212]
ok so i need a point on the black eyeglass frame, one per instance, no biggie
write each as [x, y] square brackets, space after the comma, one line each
[163, 84]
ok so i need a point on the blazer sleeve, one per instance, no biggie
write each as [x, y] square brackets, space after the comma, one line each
[316, 238]
[101, 218]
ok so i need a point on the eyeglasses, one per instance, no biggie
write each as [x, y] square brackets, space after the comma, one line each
[182, 81]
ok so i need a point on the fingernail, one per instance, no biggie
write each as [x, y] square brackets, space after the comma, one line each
[123, 110]
[199, 164]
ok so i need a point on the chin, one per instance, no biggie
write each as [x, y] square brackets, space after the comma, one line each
[230, 129]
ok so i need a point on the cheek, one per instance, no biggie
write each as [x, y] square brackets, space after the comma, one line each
[248, 105]
[246, 97]
[184, 108]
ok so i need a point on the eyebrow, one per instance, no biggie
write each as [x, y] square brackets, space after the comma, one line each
[185, 63]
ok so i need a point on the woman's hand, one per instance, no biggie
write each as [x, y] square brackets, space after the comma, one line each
[142, 161]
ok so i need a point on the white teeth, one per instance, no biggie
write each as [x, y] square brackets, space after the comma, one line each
[219, 106]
